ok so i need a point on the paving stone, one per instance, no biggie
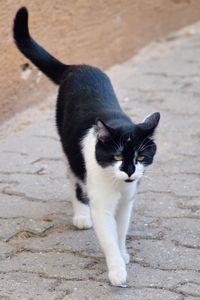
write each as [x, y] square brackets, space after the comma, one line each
[93, 290]
[183, 232]
[53, 265]
[23, 286]
[163, 205]
[12, 162]
[153, 84]
[6, 250]
[157, 278]
[181, 164]
[15, 207]
[179, 62]
[182, 185]
[48, 187]
[84, 242]
[20, 225]
[190, 288]
[175, 258]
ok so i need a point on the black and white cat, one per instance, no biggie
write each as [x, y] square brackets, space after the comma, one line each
[106, 152]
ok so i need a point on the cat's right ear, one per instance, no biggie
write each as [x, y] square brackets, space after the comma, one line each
[102, 131]
[150, 123]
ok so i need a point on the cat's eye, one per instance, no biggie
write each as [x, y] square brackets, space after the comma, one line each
[140, 158]
[118, 157]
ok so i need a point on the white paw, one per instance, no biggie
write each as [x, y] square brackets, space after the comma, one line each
[118, 277]
[126, 257]
[82, 222]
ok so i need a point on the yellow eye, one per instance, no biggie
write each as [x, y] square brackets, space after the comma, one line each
[118, 157]
[140, 158]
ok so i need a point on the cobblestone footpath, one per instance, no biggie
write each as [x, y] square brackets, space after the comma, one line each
[43, 257]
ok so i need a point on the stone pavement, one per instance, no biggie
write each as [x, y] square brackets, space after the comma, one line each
[43, 257]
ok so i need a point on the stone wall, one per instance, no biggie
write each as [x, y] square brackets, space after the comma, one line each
[100, 33]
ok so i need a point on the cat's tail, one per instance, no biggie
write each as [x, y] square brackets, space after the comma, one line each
[48, 64]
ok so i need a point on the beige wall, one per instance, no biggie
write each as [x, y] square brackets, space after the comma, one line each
[97, 32]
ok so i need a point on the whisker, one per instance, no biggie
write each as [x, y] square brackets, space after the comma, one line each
[143, 148]
[142, 144]
[146, 155]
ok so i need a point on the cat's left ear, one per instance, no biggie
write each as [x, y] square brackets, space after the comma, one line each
[102, 131]
[150, 122]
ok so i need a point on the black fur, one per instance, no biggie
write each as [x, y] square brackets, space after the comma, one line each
[80, 195]
[86, 98]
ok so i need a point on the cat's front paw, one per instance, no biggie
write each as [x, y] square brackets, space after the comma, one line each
[82, 222]
[118, 277]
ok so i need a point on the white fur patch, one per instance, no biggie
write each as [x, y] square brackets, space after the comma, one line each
[110, 200]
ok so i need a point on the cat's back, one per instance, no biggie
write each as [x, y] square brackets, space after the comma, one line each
[79, 80]
[84, 92]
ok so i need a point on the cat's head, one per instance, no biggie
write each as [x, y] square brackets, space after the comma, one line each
[125, 150]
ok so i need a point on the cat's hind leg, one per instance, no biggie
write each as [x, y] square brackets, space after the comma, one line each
[81, 209]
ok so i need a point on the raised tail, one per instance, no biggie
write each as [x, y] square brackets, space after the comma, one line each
[48, 64]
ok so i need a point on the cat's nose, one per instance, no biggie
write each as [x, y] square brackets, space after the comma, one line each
[130, 170]
[129, 174]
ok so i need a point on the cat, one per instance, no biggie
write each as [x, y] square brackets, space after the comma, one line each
[106, 153]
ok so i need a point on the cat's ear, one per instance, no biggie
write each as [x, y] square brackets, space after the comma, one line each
[102, 131]
[150, 122]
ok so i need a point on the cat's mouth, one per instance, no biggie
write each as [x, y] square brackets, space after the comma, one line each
[129, 180]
